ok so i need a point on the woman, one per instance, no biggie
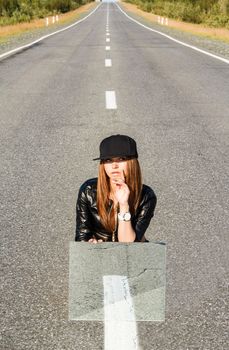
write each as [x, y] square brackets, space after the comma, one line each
[115, 206]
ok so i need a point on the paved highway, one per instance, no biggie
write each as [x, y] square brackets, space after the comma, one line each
[54, 112]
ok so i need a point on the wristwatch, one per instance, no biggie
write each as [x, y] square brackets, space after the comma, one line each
[124, 217]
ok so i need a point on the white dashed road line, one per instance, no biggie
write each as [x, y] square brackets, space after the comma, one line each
[110, 100]
[108, 48]
[108, 62]
[108, 40]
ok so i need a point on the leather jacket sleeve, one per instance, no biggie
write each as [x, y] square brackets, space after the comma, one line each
[83, 229]
[144, 214]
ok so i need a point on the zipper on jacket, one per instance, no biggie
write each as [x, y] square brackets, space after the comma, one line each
[116, 224]
[116, 221]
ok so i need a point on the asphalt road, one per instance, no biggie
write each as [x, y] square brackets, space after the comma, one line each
[174, 102]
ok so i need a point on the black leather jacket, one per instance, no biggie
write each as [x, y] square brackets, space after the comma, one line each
[88, 221]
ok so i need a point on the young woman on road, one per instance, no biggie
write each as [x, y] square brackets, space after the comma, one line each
[115, 206]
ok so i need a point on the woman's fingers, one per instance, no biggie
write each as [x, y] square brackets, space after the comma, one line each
[122, 186]
[94, 240]
[118, 181]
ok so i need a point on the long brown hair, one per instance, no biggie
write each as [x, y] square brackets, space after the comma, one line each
[133, 180]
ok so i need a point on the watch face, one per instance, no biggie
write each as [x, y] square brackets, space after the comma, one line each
[127, 217]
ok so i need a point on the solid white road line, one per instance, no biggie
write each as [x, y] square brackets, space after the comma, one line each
[108, 62]
[173, 39]
[108, 40]
[119, 317]
[110, 100]
[21, 48]
[108, 48]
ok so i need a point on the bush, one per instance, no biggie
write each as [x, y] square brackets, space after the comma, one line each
[147, 6]
[25, 9]
[178, 10]
[191, 13]
[19, 17]
[59, 5]
[215, 18]
[217, 21]
[195, 11]
[34, 8]
[40, 13]
[224, 6]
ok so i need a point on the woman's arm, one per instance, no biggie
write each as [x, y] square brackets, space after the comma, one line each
[83, 229]
[126, 232]
[144, 214]
[134, 231]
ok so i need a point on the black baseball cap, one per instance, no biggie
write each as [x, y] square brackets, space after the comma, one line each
[117, 146]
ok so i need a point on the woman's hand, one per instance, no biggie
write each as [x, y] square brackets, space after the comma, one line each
[122, 191]
[94, 240]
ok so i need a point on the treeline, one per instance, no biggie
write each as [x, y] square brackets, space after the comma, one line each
[214, 13]
[16, 11]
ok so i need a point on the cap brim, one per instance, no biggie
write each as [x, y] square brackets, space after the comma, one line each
[127, 157]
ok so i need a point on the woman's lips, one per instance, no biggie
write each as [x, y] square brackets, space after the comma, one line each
[115, 173]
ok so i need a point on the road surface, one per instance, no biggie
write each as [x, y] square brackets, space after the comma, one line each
[174, 102]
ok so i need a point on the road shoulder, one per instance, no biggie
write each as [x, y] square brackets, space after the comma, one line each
[11, 38]
[214, 40]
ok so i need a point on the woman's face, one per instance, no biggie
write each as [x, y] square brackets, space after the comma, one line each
[115, 167]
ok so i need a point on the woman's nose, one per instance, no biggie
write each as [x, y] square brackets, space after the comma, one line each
[114, 165]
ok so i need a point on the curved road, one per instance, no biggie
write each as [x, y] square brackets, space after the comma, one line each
[174, 102]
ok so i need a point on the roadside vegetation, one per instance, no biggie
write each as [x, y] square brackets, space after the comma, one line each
[213, 13]
[18, 11]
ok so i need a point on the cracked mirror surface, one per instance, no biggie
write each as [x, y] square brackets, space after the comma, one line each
[123, 281]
